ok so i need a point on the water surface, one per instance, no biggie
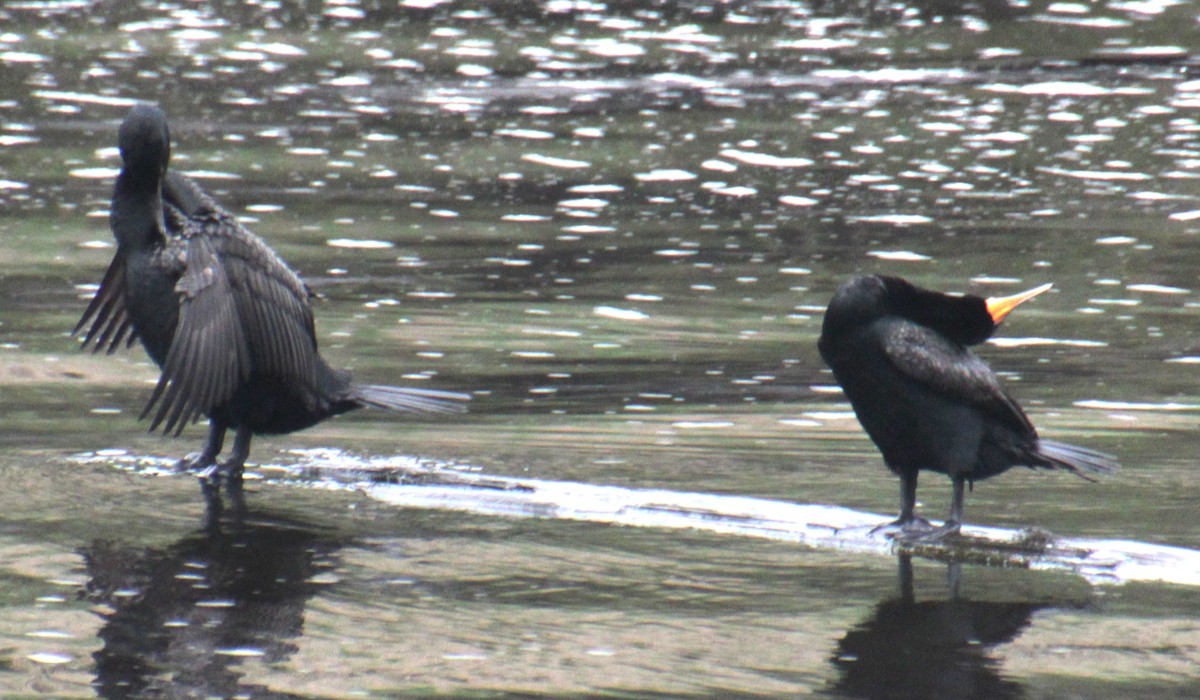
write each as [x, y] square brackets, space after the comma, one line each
[618, 225]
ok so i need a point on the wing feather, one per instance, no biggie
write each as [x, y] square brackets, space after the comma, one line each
[209, 356]
[273, 305]
[242, 312]
[952, 371]
[106, 317]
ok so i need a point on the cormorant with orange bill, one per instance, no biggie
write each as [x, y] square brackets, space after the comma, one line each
[901, 355]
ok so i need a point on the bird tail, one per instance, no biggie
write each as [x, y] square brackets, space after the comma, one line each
[1079, 460]
[407, 400]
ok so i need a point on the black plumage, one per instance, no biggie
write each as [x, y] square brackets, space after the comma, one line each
[223, 316]
[900, 354]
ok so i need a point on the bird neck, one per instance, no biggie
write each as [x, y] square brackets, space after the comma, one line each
[962, 319]
[136, 216]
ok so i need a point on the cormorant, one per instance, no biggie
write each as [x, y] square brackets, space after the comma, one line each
[223, 316]
[900, 354]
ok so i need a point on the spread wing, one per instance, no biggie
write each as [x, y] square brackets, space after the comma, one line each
[106, 318]
[209, 355]
[241, 311]
[952, 371]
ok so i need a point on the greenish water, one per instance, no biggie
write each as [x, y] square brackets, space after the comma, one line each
[618, 225]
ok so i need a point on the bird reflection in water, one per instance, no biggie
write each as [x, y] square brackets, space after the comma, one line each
[180, 621]
[932, 649]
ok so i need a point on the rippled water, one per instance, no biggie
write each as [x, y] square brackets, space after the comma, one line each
[618, 224]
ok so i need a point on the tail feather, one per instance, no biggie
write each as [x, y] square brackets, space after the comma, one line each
[1078, 460]
[408, 400]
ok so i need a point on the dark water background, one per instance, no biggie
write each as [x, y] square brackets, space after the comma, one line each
[618, 223]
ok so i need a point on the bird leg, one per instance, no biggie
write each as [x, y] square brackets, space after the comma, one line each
[958, 505]
[210, 471]
[909, 524]
[904, 572]
[204, 463]
[235, 465]
[206, 459]
[954, 579]
[908, 497]
[953, 524]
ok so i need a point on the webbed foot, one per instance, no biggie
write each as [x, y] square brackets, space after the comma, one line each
[204, 462]
[198, 462]
[918, 530]
[932, 535]
[904, 528]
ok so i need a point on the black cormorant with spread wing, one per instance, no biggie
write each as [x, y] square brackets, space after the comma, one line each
[223, 316]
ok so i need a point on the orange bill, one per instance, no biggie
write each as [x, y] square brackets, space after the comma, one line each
[999, 307]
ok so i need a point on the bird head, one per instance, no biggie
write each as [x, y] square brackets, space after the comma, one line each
[145, 141]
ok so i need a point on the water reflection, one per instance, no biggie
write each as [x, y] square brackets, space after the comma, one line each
[934, 648]
[180, 621]
[624, 220]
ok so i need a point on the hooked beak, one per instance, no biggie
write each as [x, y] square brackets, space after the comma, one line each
[999, 307]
